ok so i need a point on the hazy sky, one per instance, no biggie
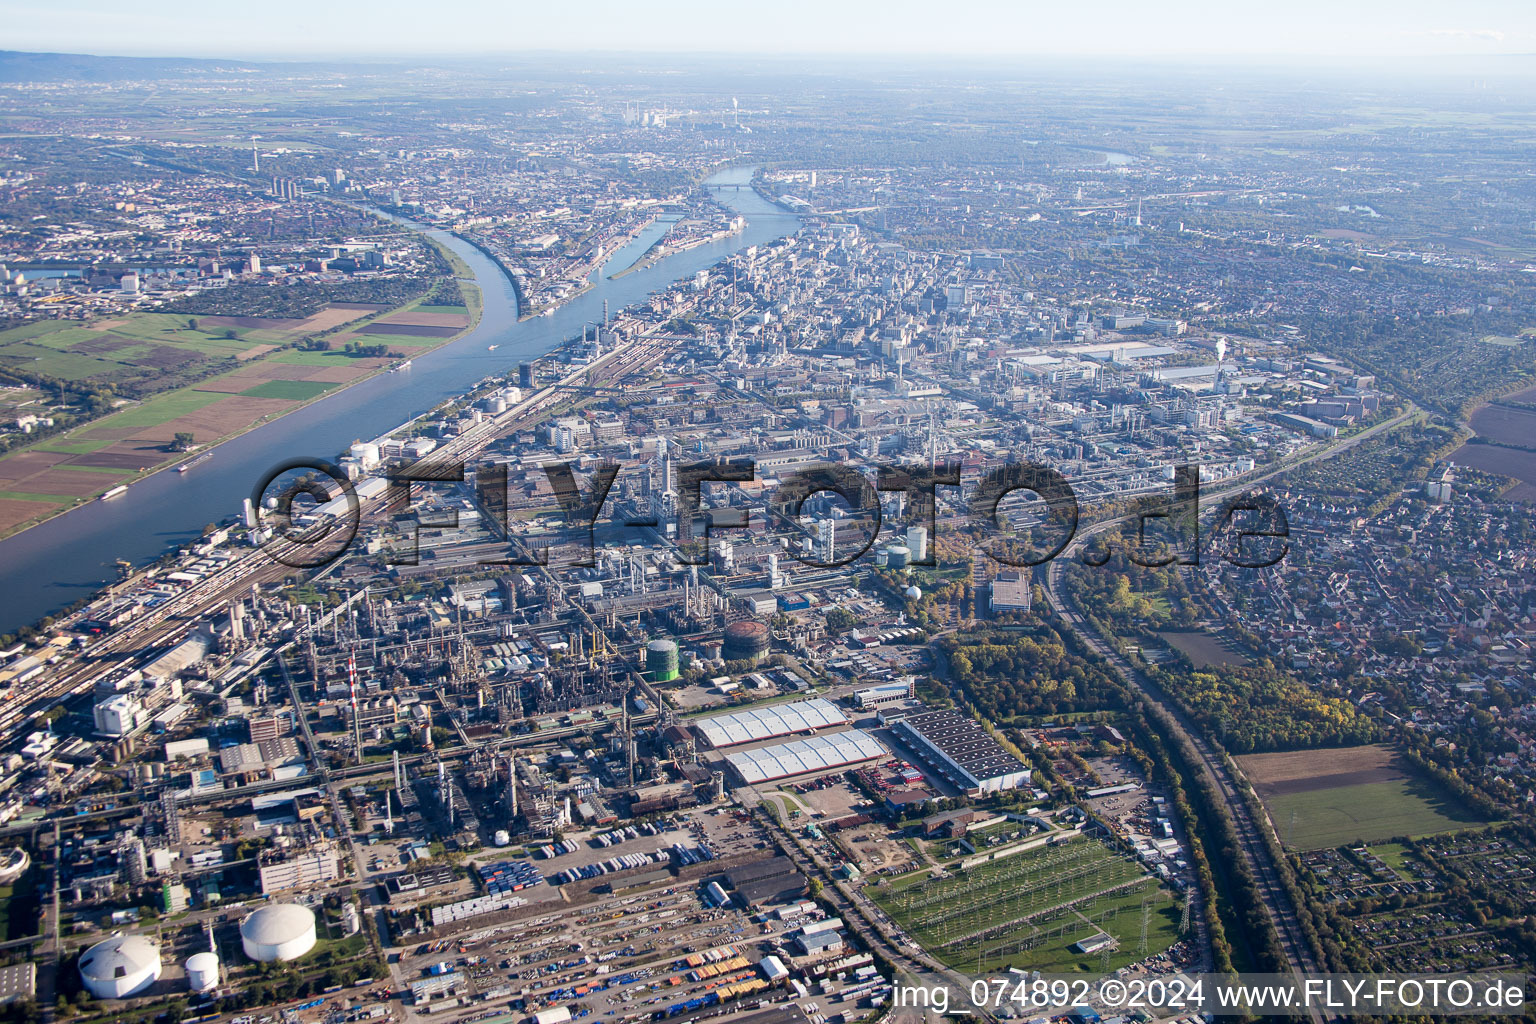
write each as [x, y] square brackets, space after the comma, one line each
[1155, 28]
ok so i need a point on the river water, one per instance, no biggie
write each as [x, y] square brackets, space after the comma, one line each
[70, 556]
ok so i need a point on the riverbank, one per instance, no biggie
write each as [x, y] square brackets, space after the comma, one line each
[49, 567]
[122, 448]
[662, 250]
[528, 310]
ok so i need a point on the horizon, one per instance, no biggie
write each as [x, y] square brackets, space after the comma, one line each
[286, 30]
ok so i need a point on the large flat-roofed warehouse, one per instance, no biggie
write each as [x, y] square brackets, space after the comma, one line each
[766, 723]
[799, 757]
[785, 1013]
[739, 877]
[958, 748]
[767, 881]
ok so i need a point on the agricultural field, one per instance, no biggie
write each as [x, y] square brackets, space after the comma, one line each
[1028, 910]
[256, 375]
[141, 353]
[1325, 798]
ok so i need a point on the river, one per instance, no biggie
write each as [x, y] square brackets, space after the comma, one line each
[51, 565]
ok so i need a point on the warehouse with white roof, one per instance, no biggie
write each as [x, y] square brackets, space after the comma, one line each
[799, 757]
[766, 723]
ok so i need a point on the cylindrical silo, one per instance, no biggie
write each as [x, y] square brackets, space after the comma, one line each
[661, 660]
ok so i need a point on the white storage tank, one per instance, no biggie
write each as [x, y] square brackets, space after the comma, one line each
[121, 966]
[202, 972]
[503, 837]
[366, 453]
[282, 931]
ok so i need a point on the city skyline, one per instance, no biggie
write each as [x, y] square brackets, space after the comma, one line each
[494, 534]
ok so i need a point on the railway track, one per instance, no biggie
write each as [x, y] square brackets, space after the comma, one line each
[173, 621]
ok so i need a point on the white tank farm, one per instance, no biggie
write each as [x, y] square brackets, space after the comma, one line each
[121, 966]
[282, 931]
[202, 972]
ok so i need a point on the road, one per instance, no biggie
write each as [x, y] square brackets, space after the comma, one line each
[1277, 902]
[873, 927]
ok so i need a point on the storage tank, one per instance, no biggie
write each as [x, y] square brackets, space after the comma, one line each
[661, 660]
[121, 966]
[898, 556]
[202, 972]
[502, 837]
[745, 641]
[282, 931]
[914, 593]
[365, 452]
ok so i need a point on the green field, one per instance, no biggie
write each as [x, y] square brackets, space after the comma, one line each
[401, 341]
[157, 410]
[1366, 812]
[1394, 855]
[1028, 910]
[309, 357]
[294, 390]
[77, 351]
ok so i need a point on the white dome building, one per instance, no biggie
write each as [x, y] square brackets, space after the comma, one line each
[282, 931]
[203, 972]
[121, 966]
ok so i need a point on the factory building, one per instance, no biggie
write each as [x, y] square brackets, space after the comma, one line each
[769, 722]
[801, 757]
[886, 693]
[306, 869]
[958, 748]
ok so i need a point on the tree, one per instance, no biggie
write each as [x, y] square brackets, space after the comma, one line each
[840, 620]
[183, 441]
[813, 887]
